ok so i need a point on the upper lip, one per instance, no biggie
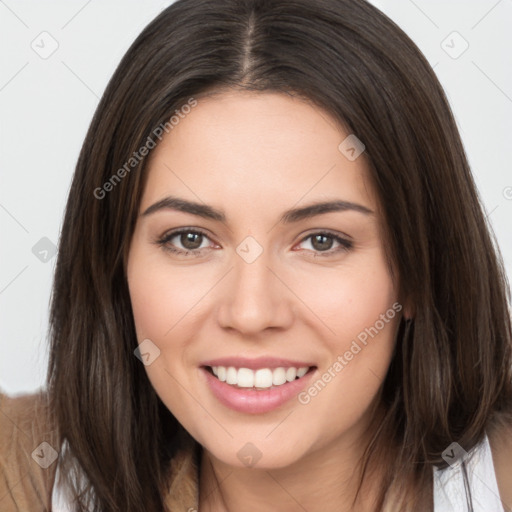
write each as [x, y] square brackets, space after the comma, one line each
[256, 363]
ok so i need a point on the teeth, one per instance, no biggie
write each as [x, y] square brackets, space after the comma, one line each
[291, 373]
[278, 376]
[263, 378]
[220, 371]
[245, 378]
[231, 375]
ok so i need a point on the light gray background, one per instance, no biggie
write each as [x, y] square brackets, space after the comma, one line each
[46, 105]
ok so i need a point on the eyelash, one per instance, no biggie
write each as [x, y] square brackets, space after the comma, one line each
[345, 245]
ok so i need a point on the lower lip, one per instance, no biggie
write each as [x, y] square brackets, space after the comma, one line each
[253, 401]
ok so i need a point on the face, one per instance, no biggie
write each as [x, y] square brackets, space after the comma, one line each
[239, 286]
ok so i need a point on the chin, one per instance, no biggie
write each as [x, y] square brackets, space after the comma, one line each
[256, 454]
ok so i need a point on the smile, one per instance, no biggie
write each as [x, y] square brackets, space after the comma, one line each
[256, 391]
[263, 378]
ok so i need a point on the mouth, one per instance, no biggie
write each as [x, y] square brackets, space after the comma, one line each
[258, 379]
[254, 385]
[256, 390]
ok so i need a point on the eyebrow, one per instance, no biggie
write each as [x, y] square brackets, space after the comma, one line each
[288, 217]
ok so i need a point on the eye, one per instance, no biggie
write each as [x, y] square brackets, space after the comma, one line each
[323, 241]
[191, 241]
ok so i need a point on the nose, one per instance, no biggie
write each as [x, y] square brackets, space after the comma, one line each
[255, 297]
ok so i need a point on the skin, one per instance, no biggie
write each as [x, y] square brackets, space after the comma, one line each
[255, 155]
[500, 440]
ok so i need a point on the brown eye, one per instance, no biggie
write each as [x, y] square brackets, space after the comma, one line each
[191, 241]
[184, 241]
[323, 242]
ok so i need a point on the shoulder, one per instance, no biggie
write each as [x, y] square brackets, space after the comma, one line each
[500, 440]
[28, 452]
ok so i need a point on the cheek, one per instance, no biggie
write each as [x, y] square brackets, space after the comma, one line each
[362, 314]
[350, 298]
[359, 313]
[160, 295]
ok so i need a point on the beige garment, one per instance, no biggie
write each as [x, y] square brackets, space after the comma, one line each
[26, 485]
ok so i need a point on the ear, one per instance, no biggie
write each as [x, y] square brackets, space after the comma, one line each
[408, 313]
[408, 309]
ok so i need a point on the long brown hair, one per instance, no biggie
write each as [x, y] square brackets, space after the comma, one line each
[450, 376]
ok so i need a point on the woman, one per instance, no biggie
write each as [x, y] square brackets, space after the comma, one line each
[275, 289]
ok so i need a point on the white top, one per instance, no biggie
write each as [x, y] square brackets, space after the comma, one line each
[449, 490]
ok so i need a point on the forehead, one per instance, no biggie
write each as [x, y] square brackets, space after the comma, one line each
[260, 148]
